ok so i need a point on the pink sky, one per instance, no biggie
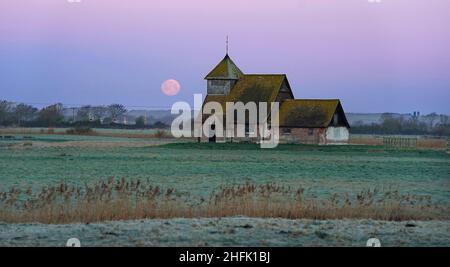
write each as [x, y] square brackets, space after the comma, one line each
[376, 57]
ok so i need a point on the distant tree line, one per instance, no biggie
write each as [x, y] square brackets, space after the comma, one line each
[431, 124]
[24, 115]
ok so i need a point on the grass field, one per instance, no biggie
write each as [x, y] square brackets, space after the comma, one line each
[200, 168]
[236, 231]
[196, 171]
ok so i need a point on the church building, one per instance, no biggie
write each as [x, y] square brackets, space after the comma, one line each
[309, 121]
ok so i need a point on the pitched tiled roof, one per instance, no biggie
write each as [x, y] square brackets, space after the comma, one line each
[310, 112]
[251, 87]
[226, 69]
[257, 88]
[216, 98]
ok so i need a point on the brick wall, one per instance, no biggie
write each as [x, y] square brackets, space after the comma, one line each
[303, 135]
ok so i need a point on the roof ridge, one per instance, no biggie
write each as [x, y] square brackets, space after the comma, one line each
[265, 74]
[314, 99]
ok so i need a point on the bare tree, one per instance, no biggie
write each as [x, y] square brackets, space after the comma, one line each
[5, 111]
[99, 112]
[432, 119]
[140, 122]
[51, 115]
[83, 113]
[24, 112]
[443, 119]
[116, 110]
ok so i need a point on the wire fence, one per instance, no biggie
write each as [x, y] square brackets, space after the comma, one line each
[400, 142]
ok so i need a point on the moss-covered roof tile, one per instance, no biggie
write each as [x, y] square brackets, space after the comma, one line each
[308, 112]
[251, 87]
[226, 69]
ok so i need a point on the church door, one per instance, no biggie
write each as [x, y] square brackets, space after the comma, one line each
[212, 139]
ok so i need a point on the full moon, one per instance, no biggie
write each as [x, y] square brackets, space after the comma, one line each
[170, 87]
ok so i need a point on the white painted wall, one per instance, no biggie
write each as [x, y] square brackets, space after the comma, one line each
[337, 134]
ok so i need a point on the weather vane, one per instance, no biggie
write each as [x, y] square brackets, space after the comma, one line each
[227, 44]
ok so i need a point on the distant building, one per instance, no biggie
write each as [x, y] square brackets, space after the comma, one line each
[314, 121]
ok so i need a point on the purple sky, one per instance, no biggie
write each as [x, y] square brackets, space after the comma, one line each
[389, 56]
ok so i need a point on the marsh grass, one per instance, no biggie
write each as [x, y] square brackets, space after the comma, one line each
[119, 199]
[162, 134]
[422, 143]
[86, 131]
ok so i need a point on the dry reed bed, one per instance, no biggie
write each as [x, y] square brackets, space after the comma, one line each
[88, 144]
[422, 143]
[119, 199]
[432, 143]
[366, 141]
[159, 133]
